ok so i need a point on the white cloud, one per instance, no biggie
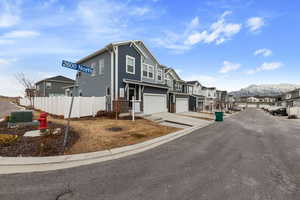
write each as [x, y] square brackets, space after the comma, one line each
[266, 67]
[229, 66]
[9, 15]
[255, 23]
[9, 86]
[218, 32]
[264, 52]
[140, 11]
[6, 42]
[21, 34]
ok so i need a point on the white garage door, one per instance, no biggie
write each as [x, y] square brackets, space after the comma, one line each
[155, 103]
[182, 105]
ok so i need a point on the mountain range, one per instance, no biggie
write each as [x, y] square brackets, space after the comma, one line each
[265, 90]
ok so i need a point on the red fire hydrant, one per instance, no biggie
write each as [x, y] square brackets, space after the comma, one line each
[43, 121]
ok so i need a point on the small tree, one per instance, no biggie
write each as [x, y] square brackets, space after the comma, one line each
[28, 85]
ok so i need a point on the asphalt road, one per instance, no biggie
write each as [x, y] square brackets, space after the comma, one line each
[6, 108]
[249, 156]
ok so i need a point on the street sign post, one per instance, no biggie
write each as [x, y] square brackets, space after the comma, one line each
[80, 68]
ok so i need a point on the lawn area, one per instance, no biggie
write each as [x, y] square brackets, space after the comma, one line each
[102, 133]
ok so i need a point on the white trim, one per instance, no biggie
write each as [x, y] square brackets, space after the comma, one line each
[148, 71]
[133, 58]
[112, 91]
[117, 75]
[157, 70]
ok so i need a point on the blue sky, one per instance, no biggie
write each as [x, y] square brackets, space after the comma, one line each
[229, 44]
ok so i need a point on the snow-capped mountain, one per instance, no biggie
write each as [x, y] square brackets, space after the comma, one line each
[265, 90]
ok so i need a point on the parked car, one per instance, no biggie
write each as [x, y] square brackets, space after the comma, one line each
[279, 111]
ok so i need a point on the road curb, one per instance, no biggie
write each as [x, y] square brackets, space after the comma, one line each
[12, 165]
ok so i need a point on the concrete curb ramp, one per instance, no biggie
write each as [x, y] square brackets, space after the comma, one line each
[11, 165]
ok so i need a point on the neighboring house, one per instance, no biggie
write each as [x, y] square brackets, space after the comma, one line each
[54, 86]
[210, 94]
[292, 98]
[178, 96]
[256, 101]
[221, 99]
[124, 70]
[197, 99]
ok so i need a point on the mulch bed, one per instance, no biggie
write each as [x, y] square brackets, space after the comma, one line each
[48, 145]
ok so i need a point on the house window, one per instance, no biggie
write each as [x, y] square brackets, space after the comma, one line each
[48, 85]
[130, 65]
[145, 70]
[151, 71]
[101, 66]
[148, 71]
[38, 87]
[159, 74]
[93, 66]
[108, 91]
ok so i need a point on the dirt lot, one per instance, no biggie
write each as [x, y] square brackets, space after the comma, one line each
[102, 133]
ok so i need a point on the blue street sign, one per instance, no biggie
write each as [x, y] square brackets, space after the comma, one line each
[77, 67]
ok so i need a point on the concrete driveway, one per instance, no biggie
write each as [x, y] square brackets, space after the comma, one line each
[198, 115]
[177, 120]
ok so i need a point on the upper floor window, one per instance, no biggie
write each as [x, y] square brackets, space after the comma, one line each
[145, 70]
[101, 66]
[130, 65]
[93, 66]
[159, 74]
[148, 71]
[151, 71]
[38, 87]
[48, 85]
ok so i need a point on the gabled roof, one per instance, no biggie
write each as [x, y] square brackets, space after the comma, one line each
[58, 79]
[173, 72]
[114, 44]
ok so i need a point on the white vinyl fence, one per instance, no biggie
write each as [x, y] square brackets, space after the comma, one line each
[294, 111]
[82, 106]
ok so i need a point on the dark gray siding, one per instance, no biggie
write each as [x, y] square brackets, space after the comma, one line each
[96, 85]
[56, 88]
[124, 50]
[154, 90]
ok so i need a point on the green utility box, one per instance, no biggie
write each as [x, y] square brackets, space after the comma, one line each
[219, 116]
[21, 116]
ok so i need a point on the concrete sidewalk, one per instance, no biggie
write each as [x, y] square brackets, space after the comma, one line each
[177, 119]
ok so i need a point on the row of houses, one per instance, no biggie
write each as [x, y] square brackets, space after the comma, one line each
[124, 71]
[288, 99]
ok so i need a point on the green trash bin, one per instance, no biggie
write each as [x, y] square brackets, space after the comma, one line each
[219, 116]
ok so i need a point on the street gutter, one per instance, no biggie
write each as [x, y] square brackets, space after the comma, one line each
[12, 165]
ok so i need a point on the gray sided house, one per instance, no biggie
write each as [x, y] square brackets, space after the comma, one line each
[178, 96]
[124, 70]
[196, 99]
[54, 86]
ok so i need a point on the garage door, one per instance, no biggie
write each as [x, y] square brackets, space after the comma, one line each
[155, 103]
[182, 105]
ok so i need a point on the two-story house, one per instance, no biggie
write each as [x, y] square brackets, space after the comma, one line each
[292, 98]
[221, 99]
[210, 94]
[178, 96]
[123, 71]
[197, 97]
[54, 86]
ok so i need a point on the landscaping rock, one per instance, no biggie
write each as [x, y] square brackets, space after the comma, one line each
[34, 133]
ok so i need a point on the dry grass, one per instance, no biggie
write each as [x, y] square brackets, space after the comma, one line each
[9, 99]
[95, 134]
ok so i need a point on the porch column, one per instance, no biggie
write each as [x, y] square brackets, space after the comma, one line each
[140, 92]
